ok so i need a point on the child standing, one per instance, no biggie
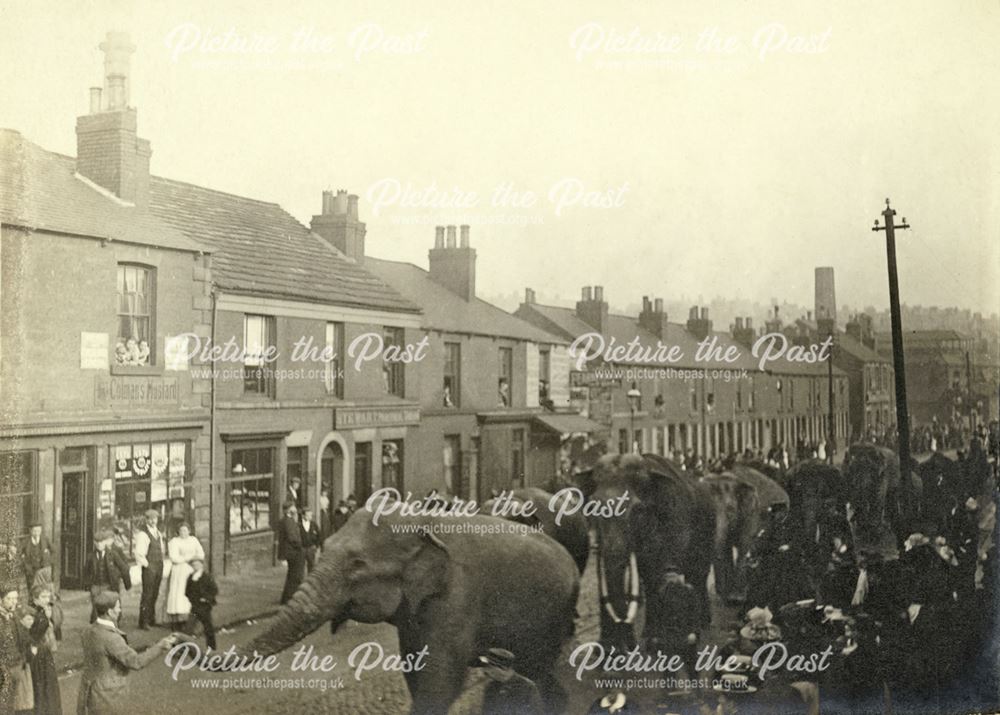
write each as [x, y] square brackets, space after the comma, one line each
[201, 591]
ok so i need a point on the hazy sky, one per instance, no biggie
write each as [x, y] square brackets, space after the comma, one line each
[722, 172]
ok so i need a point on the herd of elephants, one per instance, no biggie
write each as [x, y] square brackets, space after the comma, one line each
[460, 594]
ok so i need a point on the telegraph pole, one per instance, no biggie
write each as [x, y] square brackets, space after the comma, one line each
[902, 416]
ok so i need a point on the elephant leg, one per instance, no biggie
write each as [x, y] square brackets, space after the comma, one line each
[618, 635]
[434, 688]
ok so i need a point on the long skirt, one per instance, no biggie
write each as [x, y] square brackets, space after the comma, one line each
[45, 679]
[178, 606]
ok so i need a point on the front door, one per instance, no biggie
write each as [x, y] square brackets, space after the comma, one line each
[75, 527]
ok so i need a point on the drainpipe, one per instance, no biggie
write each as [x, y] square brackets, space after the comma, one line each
[211, 445]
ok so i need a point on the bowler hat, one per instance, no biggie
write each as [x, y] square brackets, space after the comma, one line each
[152, 512]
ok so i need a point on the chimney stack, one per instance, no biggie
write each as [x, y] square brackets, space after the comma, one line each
[451, 265]
[592, 309]
[529, 296]
[743, 331]
[109, 151]
[652, 318]
[698, 323]
[338, 223]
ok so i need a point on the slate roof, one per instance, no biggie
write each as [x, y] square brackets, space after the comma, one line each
[261, 249]
[859, 350]
[447, 312]
[257, 247]
[41, 190]
[624, 329]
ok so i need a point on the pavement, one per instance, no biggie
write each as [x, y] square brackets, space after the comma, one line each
[242, 597]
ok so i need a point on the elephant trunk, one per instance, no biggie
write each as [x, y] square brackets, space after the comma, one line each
[320, 598]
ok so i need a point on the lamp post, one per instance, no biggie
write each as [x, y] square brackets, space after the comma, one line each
[634, 399]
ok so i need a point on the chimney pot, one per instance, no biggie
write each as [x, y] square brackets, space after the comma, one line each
[693, 313]
[327, 202]
[529, 296]
[586, 293]
[739, 323]
[352, 206]
[659, 305]
[340, 203]
[95, 100]
[749, 323]
[116, 92]
[464, 236]
[439, 237]
[598, 293]
[704, 313]
[451, 237]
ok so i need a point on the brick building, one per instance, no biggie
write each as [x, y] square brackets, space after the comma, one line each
[100, 421]
[494, 391]
[712, 407]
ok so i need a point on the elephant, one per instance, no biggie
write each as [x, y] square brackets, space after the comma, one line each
[571, 531]
[668, 522]
[769, 491]
[738, 521]
[879, 496]
[455, 585]
[944, 487]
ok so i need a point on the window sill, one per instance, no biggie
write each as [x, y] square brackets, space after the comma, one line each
[136, 370]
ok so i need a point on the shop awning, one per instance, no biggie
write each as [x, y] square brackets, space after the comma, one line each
[568, 423]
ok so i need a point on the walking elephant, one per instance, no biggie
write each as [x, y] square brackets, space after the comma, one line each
[738, 520]
[457, 586]
[879, 495]
[571, 531]
[667, 523]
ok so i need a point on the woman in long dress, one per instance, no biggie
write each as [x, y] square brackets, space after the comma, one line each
[181, 549]
[44, 676]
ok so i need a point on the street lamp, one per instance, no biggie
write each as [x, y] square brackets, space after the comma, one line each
[634, 399]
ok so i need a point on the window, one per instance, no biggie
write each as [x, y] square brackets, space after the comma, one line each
[623, 447]
[249, 490]
[517, 457]
[781, 395]
[753, 395]
[148, 476]
[258, 346]
[334, 376]
[392, 464]
[544, 375]
[791, 394]
[739, 396]
[134, 344]
[452, 375]
[693, 396]
[17, 492]
[506, 358]
[392, 372]
[362, 472]
[710, 394]
[452, 459]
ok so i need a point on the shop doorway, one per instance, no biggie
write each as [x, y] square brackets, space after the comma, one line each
[332, 474]
[77, 516]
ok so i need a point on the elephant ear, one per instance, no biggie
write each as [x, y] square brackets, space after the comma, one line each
[427, 573]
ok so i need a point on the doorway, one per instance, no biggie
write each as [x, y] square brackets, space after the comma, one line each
[332, 474]
[77, 516]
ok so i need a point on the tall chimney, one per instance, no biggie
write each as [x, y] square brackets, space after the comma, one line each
[338, 223]
[109, 151]
[451, 265]
[652, 318]
[592, 309]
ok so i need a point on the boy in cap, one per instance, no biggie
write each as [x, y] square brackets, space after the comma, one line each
[201, 591]
[508, 691]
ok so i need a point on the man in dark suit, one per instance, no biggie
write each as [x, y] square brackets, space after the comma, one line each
[311, 539]
[105, 570]
[150, 548]
[37, 555]
[294, 492]
[290, 550]
[108, 658]
[340, 516]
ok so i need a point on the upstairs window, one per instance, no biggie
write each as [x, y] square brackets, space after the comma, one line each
[451, 389]
[334, 374]
[136, 307]
[544, 375]
[392, 372]
[505, 368]
[258, 345]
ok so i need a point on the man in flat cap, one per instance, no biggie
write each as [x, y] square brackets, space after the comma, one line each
[37, 555]
[104, 570]
[107, 660]
[508, 691]
[149, 549]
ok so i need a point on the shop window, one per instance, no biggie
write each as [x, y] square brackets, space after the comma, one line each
[451, 388]
[392, 372]
[258, 346]
[505, 369]
[17, 493]
[392, 464]
[452, 458]
[147, 476]
[334, 375]
[135, 341]
[249, 488]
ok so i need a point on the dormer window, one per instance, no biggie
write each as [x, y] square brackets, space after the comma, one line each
[136, 340]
